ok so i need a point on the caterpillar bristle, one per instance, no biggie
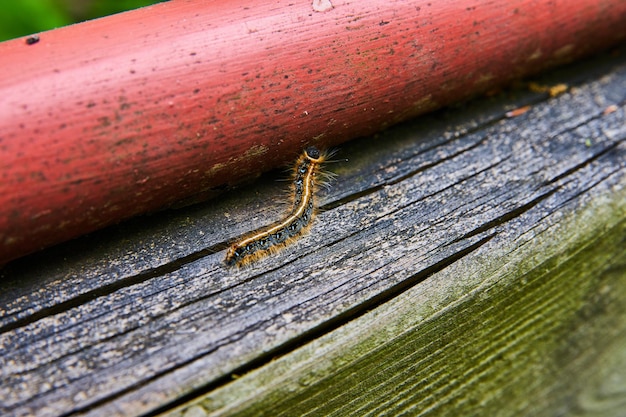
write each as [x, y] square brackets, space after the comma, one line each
[307, 178]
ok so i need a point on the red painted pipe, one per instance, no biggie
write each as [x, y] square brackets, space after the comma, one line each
[107, 119]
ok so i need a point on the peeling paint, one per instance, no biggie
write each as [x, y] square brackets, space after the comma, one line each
[322, 5]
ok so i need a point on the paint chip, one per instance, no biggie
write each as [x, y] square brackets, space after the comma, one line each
[322, 5]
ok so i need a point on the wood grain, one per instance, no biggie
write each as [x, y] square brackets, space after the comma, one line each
[470, 340]
[461, 260]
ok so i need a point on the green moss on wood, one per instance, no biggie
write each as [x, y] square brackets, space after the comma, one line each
[531, 328]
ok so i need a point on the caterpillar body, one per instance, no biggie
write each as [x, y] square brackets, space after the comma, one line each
[270, 239]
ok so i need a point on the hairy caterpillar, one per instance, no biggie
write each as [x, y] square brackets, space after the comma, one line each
[269, 239]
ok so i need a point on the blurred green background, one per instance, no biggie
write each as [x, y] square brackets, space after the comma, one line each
[25, 17]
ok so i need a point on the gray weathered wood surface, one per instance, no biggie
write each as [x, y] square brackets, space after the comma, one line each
[462, 263]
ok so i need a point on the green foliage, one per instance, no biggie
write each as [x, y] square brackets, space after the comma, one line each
[24, 17]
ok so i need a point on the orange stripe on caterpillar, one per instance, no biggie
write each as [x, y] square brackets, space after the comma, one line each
[270, 239]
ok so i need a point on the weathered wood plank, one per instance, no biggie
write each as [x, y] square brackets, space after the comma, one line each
[464, 212]
[470, 340]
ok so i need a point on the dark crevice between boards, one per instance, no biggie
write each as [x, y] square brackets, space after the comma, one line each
[110, 288]
[394, 180]
[525, 207]
[315, 333]
[105, 400]
[581, 192]
[500, 220]
[430, 165]
[465, 133]
[355, 196]
[584, 163]
[510, 215]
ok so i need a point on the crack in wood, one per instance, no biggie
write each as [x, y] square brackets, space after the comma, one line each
[326, 327]
[584, 163]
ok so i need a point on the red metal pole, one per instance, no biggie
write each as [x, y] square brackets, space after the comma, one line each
[114, 117]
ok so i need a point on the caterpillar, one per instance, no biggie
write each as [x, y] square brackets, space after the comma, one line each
[270, 239]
